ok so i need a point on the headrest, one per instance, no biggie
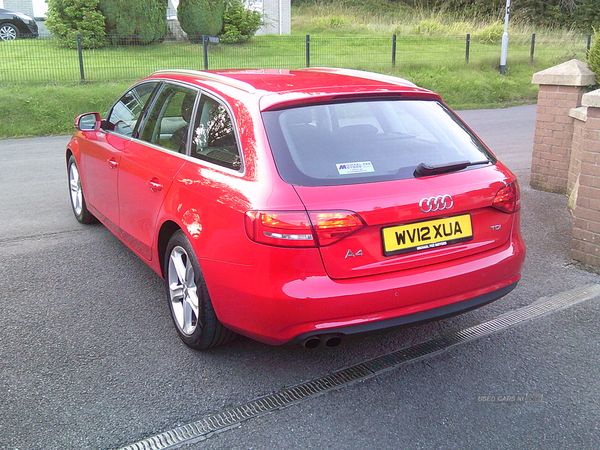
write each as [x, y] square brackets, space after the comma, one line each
[187, 106]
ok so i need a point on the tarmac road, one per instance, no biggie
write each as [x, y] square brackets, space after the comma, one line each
[89, 358]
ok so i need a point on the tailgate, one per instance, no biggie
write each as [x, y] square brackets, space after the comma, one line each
[414, 222]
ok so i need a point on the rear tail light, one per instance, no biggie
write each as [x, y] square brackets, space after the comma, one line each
[332, 226]
[508, 198]
[301, 228]
[285, 229]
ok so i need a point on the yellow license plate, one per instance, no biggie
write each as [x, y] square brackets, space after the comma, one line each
[426, 235]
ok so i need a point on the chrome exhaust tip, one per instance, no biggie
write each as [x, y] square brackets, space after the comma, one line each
[328, 340]
[312, 342]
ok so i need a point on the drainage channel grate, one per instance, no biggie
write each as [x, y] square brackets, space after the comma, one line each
[198, 430]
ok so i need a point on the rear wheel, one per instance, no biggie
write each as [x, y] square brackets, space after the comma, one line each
[82, 214]
[191, 308]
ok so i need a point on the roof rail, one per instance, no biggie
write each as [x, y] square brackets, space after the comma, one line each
[364, 74]
[210, 76]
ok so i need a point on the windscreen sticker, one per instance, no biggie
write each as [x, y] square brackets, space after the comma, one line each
[355, 167]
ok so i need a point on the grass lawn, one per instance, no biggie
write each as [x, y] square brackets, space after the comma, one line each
[41, 89]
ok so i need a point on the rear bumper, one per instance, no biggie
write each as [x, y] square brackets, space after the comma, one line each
[416, 318]
[291, 307]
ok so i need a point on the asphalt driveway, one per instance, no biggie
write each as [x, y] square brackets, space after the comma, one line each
[89, 358]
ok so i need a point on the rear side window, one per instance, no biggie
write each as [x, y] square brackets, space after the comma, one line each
[214, 136]
[367, 141]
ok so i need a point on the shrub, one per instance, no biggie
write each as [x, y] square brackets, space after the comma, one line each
[133, 22]
[331, 22]
[201, 18]
[68, 18]
[491, 34]
[593, 59]
[430, 26]
[460, 28]
[239, 23]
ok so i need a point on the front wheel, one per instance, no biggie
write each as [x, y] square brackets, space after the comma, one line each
[191, 308]
[8, 32]
[82, 214]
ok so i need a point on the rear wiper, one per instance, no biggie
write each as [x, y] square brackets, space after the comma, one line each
[425, 170]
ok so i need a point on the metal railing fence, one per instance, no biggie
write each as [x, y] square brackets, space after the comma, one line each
[44, 61]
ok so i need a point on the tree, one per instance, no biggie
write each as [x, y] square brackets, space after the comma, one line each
[201, 17]
[132, 22]
[239, 23]
[587, 16]
[68, 18]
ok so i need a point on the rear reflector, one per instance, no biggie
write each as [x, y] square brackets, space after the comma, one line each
[299, 228]
[508, 198]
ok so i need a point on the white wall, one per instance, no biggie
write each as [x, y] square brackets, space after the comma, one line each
[40, 8]
[35, 8]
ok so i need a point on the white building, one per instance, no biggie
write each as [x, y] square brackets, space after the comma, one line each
[33, 8]
[276, 13]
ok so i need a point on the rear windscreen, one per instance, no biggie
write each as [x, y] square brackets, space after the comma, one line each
[367, 141]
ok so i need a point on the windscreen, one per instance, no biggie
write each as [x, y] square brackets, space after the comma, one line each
[369, 140]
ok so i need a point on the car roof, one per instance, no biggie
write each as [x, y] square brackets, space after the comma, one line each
[279, 88]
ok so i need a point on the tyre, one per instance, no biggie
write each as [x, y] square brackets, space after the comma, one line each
[191, 308]
[8, 32]
[82, 214]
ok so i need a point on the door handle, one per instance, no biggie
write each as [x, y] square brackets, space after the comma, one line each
[112, 163]
[155, 185]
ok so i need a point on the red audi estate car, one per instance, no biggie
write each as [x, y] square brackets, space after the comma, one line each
[299, 205]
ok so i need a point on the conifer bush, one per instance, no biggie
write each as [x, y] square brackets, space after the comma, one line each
[68, 18]
[135, 22]
[593, 59]
[201, 18]
[239, 23]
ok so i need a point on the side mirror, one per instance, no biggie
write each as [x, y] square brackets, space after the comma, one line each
[88, 122]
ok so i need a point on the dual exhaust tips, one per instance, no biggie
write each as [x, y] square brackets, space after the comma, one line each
[328, 340]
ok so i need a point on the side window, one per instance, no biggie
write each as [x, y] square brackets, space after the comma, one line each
[128, 110]
[169, 120]
[214, 136]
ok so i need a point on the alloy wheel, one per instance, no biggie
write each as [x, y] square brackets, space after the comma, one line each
[75, 187]
[183, 292]
[7, 33]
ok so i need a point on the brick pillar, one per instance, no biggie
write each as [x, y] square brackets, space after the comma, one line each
[585, 244]
[561, 89]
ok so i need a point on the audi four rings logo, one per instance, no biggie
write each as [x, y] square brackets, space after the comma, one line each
[439, 203]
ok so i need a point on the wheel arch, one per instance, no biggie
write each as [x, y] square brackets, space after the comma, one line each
[168, 229]
[68, 154]
[72, 150]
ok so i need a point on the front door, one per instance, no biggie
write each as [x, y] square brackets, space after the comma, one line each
[101, 157]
